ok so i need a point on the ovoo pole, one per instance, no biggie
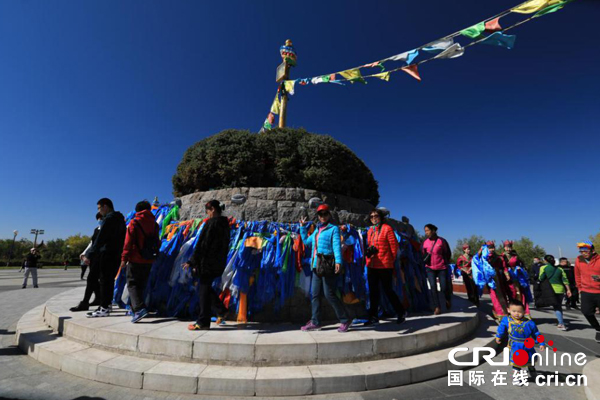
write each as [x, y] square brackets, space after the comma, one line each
[288, 55]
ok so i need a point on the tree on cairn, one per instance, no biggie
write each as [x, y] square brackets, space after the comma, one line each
[277, 158]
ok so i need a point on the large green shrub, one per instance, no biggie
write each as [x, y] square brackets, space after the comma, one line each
[278, 158]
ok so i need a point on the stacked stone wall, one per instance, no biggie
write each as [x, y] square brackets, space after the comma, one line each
[277, 204]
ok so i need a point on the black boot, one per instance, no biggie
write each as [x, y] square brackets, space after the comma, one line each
[80, 307]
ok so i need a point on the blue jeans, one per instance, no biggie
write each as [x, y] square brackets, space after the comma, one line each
[442, 274]
[326, 284]
[558, 309]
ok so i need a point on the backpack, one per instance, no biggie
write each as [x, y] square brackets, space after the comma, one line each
[151, 247]
[544, 293]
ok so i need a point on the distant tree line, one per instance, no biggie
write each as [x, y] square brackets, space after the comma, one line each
[53, 252]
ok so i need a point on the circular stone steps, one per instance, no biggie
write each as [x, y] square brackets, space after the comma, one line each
[257, 345]
[42, 341]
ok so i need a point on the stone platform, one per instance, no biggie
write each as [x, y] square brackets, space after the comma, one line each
[250, 359]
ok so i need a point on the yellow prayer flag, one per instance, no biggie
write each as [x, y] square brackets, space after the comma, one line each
[384, 76]
[534, 6]
[289, 86]
[351, 74]
[276, 105]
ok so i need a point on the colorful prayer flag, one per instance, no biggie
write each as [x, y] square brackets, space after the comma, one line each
[407, 56]
[268, 125]
[384, 76]
[413, 70]
[353, 75]
[474, 31]
[323, 79]
[534, 5]
[551, 9]
[500, 39]
[493, 25]
[374, 64]
[454, 51]
[289, 86]
[275, 107]
[438, 45]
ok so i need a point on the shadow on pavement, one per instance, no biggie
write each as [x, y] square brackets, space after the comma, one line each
[10, 351]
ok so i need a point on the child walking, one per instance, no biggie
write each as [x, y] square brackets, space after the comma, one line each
[519, 329]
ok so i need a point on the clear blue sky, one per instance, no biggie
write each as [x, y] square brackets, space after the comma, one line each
[101, 98]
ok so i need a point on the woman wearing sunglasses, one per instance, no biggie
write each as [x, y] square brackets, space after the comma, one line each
[382, 249]
[326, 250]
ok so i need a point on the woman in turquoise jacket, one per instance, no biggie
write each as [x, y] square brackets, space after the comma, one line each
[324, 240]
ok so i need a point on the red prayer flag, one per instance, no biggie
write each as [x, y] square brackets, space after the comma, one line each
[412, 70]
[493, 25]
[373, 64]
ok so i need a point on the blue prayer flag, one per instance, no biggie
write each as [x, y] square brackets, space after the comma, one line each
[500, 39]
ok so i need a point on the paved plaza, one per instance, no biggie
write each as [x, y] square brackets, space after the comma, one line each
[22, 377]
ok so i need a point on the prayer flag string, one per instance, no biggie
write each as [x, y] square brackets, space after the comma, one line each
[444, 48]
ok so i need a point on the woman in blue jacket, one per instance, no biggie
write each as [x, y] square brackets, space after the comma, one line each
[324, 241]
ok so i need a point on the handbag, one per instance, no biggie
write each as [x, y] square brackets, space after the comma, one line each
[544, 293]
[427, 257]
[325, 265]
[325, 262]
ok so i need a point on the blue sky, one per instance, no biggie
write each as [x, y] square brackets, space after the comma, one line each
[101, 98]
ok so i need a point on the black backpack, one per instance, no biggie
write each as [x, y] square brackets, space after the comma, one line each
[151, 246]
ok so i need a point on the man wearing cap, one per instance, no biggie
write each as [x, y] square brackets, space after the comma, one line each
[31, 268]
[466, 271]
[587, 276]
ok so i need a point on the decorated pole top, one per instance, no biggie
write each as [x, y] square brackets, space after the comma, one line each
[288, 53]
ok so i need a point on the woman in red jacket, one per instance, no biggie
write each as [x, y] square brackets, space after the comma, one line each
[382, 248]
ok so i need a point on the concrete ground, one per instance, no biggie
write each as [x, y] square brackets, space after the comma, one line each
[21, 377]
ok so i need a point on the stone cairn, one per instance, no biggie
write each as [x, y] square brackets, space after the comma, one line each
[286, 205]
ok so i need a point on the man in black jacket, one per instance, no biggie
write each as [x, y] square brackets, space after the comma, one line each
[571, 302]
[106, 252]
[208, 262]
[93, 280]
[31, 268]
[534, 271]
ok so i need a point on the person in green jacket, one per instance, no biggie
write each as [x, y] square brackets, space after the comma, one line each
[560, 285]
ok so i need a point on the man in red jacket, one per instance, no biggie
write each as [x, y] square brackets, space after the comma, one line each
[138, 256]
[587, 276]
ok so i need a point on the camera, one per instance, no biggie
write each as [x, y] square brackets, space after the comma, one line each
[371, 251]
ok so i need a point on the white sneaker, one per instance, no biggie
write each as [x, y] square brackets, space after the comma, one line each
[562, 327]
[102, 312]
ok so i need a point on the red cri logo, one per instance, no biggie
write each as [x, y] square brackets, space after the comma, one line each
[521, 357]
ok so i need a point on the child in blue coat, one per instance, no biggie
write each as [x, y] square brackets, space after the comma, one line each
[519, 329]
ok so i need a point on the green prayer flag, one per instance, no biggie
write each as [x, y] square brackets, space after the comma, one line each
[552, 8]
[474, 31]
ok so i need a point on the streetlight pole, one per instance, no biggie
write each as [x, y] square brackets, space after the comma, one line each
[12, 247]
[36, 232]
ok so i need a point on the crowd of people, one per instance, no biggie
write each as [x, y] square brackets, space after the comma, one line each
[133, 247]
